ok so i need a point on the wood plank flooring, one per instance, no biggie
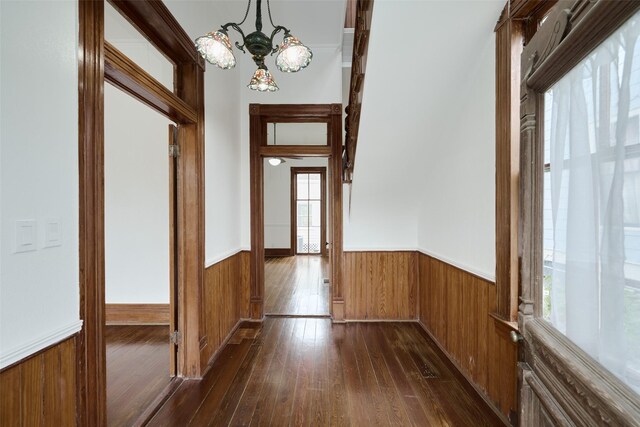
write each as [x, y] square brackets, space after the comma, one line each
[137, 370]
[294, 285]
[308, 371]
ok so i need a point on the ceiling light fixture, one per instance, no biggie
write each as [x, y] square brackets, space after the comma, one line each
[292, 56]
[275, 161]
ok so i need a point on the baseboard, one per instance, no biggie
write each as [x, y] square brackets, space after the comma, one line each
[137, 314]
[463, 375]
[278, 252]
[223, 344]
[30, 348]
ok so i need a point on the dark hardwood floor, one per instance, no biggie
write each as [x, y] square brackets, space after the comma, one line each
[306, 371]
[137, 370]
[294, 285]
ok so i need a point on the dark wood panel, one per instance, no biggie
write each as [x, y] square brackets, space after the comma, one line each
[298, 371]
[41, 390]
[123, 73]
[137, 314]
[380, 285]
[278, 252]
[221, 304]
[455, 308]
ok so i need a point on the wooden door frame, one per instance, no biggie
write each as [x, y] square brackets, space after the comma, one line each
[584, 392]
[259, 116]
[322, 170]
[98, 61]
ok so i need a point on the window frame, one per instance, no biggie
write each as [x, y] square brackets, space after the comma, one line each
[558, 381]
[322, 171]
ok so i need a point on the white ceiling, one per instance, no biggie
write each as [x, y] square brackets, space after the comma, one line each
[318, 23]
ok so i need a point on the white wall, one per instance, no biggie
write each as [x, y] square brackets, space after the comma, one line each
[277, 200]
[39, 292]
[222, 132]
[425, 169]
[136, 181]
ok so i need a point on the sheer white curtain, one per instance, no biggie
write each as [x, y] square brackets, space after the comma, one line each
[593, 152]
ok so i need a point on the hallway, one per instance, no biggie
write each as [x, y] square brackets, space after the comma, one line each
[294, 285]
[296, 371]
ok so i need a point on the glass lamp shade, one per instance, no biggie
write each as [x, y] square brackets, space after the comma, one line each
[275, 161]
[216, 48]
[293, 55]
[262, 81]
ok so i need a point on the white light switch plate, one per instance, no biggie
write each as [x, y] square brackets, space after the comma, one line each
[52, 233]
[26, 236]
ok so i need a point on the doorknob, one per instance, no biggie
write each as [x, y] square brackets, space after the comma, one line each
[515, 337]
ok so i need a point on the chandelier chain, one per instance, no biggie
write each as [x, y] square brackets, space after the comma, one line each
[246, 13]
[269, 10]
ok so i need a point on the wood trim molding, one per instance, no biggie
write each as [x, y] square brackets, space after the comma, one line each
[137, 314]
[259, 116]
[278, 252]
[156, 22]
[554, 372]
[91, 363]
[364, 11]
[125, 74]
[509, 44]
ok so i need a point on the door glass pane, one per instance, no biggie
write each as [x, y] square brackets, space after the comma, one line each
[302, 240]
[591, 242]
[303, 213]
[303, 186]
[314, 213]
[314, 186]
[314, 240]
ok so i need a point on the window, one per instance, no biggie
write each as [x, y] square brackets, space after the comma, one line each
[309, 188]
[591, 215]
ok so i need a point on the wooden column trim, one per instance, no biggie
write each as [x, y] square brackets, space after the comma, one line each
[91, 352]
[509, 44]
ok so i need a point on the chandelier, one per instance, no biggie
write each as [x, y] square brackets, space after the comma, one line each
[292, 56]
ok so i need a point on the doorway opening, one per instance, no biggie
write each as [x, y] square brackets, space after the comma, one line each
[295, 233]
[296, 229]
[140, 228]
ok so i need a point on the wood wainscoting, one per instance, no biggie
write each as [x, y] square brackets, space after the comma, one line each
[380, 285]
[455, 309]
[41, 389]
[278, 252]
[225, 301]
[137, 314]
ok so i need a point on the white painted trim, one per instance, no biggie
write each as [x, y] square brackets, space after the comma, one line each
[483, 274]
[14, 355]
[221, 257]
